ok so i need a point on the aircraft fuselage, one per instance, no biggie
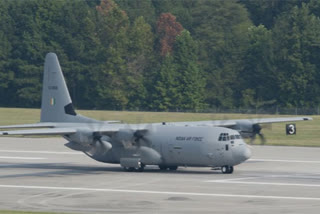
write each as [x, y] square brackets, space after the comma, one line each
[178, 146]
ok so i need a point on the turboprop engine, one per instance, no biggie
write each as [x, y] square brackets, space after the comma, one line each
[91, 143]
[247, 129]
[137, 147]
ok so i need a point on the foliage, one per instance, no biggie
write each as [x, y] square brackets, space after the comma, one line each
[167, 30]
[297, 39]
[164, 55]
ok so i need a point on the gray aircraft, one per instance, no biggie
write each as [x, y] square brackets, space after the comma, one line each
[218, 144]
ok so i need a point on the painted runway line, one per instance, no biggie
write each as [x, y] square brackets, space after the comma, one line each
[42, 152]
[22, 158]
[263, 183]
[284, 161]
[161, 192]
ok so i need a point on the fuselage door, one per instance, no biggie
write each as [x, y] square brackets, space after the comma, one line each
[225, 146]
[173, 151]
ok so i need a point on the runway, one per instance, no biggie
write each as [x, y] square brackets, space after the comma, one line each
[40, 174]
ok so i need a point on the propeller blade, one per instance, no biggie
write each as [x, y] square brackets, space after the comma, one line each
[262, 138]
[252, 138]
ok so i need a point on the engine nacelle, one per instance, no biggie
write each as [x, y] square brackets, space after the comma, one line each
[84, 141]
[245, 128]
[149, 156]
[82, 137]
[100, 148]
[124, 137]
[76, 146]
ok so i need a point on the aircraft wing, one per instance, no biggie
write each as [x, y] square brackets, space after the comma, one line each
[223, 123]
[50, 131]
[276, 120]
[33, 125]
[109, 129]
[94, 128]
[231, 123]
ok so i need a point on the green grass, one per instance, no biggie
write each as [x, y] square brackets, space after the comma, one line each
[308, 133]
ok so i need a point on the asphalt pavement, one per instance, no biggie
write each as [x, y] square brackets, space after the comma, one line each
[40, 174]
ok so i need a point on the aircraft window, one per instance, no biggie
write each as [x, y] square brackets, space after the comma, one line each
[232, 137]
[224, 137]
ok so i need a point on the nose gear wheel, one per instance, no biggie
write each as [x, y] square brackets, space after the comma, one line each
[227, 169]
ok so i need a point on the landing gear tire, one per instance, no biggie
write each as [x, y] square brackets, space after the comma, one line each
[132, 169]
[141, 168]
[173, 168]
[231, 170]
[227, 169]
[163, 167]
[128, 169]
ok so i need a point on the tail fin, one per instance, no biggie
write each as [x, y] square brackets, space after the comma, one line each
[56, 104]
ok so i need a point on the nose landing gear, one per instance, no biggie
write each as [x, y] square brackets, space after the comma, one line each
[227, 169]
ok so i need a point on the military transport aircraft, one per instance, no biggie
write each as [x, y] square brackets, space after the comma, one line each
[218, 144]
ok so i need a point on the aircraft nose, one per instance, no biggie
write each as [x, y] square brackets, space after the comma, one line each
[247, 153]
[242, 153]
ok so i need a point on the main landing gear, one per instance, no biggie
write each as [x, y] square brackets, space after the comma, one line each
[227, 169]
[164, 167]
[140, 168]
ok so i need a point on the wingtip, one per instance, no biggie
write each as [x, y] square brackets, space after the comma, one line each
[307, 118]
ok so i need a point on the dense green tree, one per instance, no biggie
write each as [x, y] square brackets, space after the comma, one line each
[314, 7]
[191, 83]
[166, 92]
[182, 10]
[6, 75]
[265, 11]
[27, 54]
[139, 8]
[139, 61]
[297, 47]
[258, 77]
[111, 81]
[180, 83]
[134, 54]
[222, 36]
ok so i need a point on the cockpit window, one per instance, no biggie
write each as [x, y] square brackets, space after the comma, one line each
[238, 136]
[224, 137]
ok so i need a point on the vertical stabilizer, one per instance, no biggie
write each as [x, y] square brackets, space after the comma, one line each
[56, 104]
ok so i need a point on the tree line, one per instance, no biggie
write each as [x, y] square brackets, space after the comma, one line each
[164, 55]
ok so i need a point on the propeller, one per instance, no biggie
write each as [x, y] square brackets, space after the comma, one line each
[140, 138]
[256, 130]
[134, 135]
[90, 140]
